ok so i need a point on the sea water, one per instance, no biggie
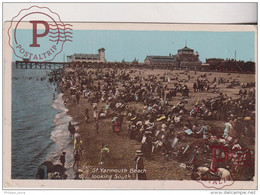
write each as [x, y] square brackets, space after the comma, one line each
[39, 124]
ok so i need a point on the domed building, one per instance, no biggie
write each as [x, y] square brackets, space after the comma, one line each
[188, 59]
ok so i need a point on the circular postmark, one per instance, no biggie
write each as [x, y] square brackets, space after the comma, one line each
[38, 34]
[218, 162]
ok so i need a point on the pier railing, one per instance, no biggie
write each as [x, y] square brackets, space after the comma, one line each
[40, 65]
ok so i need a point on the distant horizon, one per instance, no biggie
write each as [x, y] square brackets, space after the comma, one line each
[127, 45]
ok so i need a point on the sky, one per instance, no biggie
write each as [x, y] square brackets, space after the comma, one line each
[129, 45]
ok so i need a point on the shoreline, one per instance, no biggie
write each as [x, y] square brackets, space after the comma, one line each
[59, 135]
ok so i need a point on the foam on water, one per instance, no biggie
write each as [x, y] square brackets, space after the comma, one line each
[61, 137]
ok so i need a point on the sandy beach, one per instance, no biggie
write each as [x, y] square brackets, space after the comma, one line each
[121, 163]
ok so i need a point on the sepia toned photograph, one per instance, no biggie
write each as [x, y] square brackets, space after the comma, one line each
[130, 102]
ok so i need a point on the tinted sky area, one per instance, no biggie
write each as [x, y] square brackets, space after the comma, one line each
[129, 45]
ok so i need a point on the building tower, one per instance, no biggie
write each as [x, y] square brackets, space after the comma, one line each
[101, 53]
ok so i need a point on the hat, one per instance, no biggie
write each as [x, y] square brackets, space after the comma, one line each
[56, 173]
[79, 171]
[64, 153]
[164, 126]
[138, 153]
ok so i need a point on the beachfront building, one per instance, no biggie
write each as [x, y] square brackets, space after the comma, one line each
[185, 59]
[100, 57]
[205, 67]
[162, 61]
[230, 65]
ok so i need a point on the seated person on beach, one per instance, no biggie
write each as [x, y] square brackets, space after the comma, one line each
[102, 113]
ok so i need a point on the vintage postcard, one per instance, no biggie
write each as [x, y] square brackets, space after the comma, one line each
[128, 105]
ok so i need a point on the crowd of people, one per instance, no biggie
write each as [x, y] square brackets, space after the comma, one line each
[166, 124]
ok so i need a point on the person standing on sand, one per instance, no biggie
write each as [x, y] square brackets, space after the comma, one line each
[94, 105]
[104, 154]
[86, 115]
[95, 114]
[227, 129]
[139, 165]
[76, 159]
[113, 123]
[195, 86]
[72, 130]
[77, 98]
[77, 144]
[62, 158]
[117, 126]
[107, 108]
[97, 126]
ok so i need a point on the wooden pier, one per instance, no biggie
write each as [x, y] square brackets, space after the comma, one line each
[40, 65]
